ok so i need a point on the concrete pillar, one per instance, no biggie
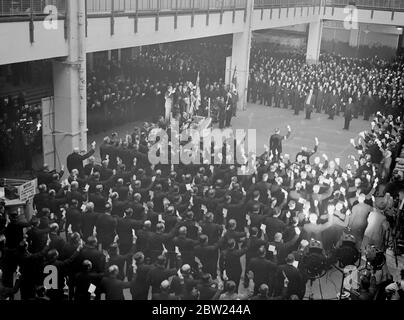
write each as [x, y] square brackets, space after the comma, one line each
[109, 55]
[240, 60]
[354, 38]
[314, 42]
[69, 83]
[119, 55]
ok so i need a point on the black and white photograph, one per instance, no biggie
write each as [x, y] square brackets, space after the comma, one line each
[190, 157]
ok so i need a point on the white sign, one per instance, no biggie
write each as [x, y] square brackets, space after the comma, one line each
[27, 190]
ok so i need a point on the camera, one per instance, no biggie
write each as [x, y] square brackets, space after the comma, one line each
[314, 262]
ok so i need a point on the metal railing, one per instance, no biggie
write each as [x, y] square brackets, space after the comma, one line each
[369, 4]
[18, 8]
[285, 3]
[105, 6]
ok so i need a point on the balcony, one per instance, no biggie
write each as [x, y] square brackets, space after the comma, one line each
[384, 5]
[16, 10]
[258, 4]
[144, 7]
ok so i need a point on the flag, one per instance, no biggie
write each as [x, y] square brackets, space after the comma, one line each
[198, 93]
[234, 79]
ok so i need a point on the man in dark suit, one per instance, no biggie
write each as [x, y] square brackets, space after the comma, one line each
[368, 103]
[309, 104]
[230, 261]
[185, 246]
[75, 159]
[296, 284]
[158, 274]
[84, 279]
[211, 229]
[208, 255]
[275, 143]
[91, 167]
[91, 253]
[333, 102]
[112, 286]
[106, 227]
[88, 220]
[124, 229]
[140, 289]
[264, 270]
[348, 113]
[73, 216]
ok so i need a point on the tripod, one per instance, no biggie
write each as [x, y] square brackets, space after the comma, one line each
[344, 269]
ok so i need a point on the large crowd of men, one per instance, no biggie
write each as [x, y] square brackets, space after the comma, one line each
[137, 87]
[20, 132]
[337, 85]
[179, 231]
[189, 232]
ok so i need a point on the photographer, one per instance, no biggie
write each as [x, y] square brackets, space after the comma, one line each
[367, 287]
[395, 290]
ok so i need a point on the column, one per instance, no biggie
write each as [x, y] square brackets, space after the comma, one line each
[354, 38]
[314, 42]
[69, 83]
[240, 60]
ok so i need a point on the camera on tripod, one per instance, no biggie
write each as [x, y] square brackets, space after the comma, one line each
[346, 252]
[375, 258]
[314, 262]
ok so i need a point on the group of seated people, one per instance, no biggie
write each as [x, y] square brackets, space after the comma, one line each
[286, 80]
[178, 231]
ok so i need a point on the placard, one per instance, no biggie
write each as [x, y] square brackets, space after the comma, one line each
[27, 190]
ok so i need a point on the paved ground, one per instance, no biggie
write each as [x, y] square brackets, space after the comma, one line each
[333, 140]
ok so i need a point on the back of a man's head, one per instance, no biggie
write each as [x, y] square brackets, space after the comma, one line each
[230, 286]
[263, 290]
[182, 231]
[165, 286]
[113, 271]
[262, 251]
[161, 260]
[87, 265]
[92, 241]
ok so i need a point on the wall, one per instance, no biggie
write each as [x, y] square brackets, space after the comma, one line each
[365, 16]
[284, 18]
[16, 47]
[99, 37]
[15, 43]
[336, 38]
